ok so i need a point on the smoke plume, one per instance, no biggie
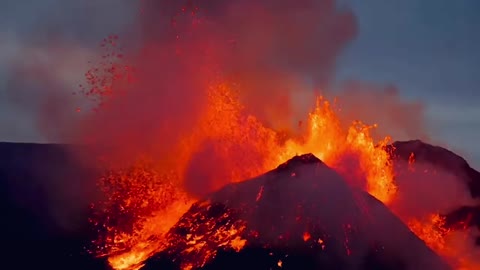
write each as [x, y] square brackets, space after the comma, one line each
[270, 54]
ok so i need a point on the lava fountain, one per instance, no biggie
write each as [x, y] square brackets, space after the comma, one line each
[243, 148]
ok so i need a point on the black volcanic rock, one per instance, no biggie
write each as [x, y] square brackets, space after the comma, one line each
[301, 215]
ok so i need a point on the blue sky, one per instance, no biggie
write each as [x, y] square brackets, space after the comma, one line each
[428, 49]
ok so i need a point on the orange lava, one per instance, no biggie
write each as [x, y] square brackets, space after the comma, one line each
[244, 148]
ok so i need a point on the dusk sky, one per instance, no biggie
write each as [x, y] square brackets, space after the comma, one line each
[427, 49]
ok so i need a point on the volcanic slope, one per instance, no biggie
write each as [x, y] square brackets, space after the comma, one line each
[302, 215]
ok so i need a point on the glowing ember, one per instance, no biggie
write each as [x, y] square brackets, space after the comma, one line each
[431, 230]
[306, 236]
[217, 233]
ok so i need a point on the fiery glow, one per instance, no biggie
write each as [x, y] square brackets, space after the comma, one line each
[142, 206]
[446, 242]
[196, 249]
[329, 141]
[306, 236]
[431, 230]
[152, 199]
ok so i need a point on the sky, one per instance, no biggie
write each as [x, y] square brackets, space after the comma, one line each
[427, 49]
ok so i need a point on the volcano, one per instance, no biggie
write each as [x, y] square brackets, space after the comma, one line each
[301, 215]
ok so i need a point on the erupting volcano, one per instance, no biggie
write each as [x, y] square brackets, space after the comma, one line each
[230, 146]
[220, 146]
[152, 209]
